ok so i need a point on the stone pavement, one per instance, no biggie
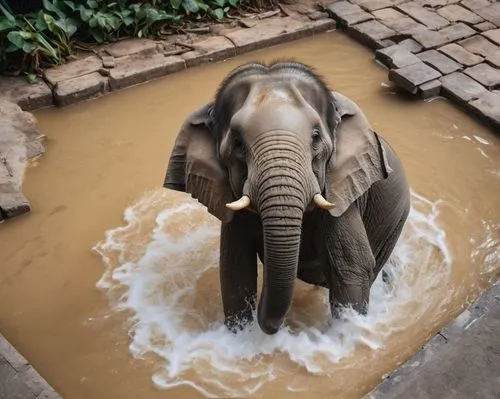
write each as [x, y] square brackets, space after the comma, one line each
[462, 362]
[18, 380]
[433, 47]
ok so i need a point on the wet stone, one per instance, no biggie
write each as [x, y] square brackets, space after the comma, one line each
[430, 39]
[276, 31]
[487, 107]
[485, 74]
[484, 26]
[475, 4]
[135, 46]
[28, 96]
[108, 61]
[491, 13]
[436, 3]
[461, 55]
[439, 61]
[429, 89]
[456, 13]
[425, 16]
[369, 33]
[493, 35]
[396, 57]
[12, 202]
[133, 70]
[461, 88]
[212, 49]
[411, 45]
[479, 45]
[457, 32]
[348, 13]
[397, 21]
[412, 76]
[81, 88]
[372, 5]
[73, 69]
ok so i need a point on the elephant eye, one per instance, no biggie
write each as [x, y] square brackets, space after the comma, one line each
[316, 133]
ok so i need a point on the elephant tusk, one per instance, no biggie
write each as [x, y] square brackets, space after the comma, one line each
[322, 202]
[240, 204]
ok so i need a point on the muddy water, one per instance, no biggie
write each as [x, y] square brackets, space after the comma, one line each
[109, 287]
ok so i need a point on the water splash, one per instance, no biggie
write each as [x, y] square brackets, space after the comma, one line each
[162, 267]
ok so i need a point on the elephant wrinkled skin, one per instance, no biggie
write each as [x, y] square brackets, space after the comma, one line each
[296, 176]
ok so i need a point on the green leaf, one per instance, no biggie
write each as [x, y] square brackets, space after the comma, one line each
[28, 47]
[16, 39]
[85, 13]
[218, 13]
[97, 35]
[175, 4]
[190, 6]
[93, 21]
[128, 21]
[31, 78]
[49, 6]
[220, 3]
[7, 11]
[234, 3]
[68, 25]
[6, 24]
[92, 4]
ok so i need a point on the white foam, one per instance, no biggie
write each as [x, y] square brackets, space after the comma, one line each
[162, 266]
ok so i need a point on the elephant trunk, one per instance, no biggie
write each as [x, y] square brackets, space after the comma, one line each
[282, 192]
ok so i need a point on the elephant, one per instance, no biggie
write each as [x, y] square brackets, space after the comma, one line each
[298, 178]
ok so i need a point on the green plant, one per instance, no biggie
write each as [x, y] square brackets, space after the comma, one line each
[32, 41]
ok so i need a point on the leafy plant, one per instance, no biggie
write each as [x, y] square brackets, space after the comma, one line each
[31, 41]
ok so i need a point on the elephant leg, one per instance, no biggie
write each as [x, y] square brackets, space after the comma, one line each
[349, 261]
[238, 270]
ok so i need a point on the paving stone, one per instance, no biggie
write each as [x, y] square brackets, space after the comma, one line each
[461, 88]
[73, 69]
[484, 26]
[430, 39]
[412, 76]
[479, 45]
[11, 386]
[28, 96]
[212, 49]
[491, 13]
[485, 74]
[372, 5]
[456, 13]
[457, 31]
[461, 55]
[439, 61]
[370, 32]
[81, 88]
[411, 45]
[475, 4]
[429, 89]
[108, 61]
[427, 17]
[493, 35]
[385, 43]
[348, 13]
[397, 21]
[276, 31]
[136, 46]
[436, 3]
[134, 69]
[396, 57]
[487, 107]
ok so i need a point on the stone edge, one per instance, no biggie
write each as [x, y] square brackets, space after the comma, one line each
[448, 335]
[28, 374]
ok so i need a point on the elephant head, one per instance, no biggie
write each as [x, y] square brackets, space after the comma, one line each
[271, 143]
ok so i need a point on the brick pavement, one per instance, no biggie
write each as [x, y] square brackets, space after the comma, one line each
[433, 47]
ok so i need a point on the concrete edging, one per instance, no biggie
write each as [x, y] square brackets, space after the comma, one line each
[18, 378]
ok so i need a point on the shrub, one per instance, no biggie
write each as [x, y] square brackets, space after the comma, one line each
[29, 42]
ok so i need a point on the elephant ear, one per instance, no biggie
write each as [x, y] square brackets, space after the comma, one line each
[359, 159]
[194, 167]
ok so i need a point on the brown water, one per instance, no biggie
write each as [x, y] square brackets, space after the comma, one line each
[106, 155]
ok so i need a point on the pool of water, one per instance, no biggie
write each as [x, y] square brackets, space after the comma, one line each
[110, 286]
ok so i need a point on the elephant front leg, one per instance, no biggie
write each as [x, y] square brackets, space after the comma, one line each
[238, 270]
[350, 262]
